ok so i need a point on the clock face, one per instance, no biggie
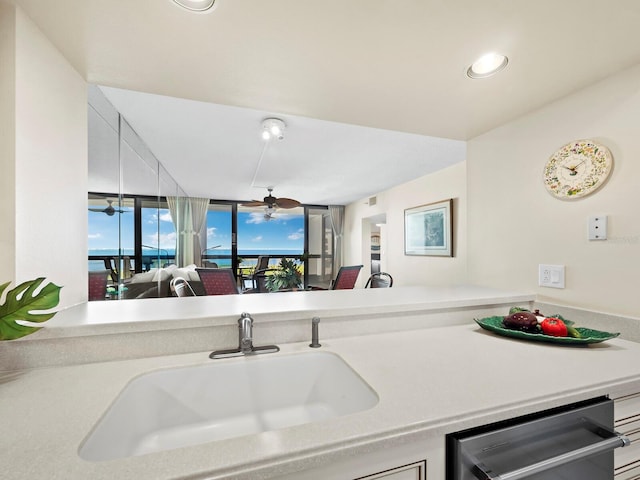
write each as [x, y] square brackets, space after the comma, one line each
[577, 169]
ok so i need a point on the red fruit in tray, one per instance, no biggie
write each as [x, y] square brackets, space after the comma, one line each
[554, 327]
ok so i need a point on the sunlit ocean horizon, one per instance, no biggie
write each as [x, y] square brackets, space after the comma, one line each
[212, 254]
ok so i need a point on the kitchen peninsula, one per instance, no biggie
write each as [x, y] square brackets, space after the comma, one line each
[437, 377]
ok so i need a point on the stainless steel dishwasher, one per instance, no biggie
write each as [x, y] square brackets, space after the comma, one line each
[574, 442]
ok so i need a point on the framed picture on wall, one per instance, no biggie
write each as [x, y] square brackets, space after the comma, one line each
[427, 229]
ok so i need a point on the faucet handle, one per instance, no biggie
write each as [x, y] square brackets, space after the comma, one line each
[315, 343]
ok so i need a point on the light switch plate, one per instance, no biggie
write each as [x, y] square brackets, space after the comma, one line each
[551, 276]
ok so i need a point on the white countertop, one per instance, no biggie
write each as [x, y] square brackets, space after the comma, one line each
[151, 314]
[126, 329]
[430, 381]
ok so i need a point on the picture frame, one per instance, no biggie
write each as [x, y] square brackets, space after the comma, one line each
[428, 229]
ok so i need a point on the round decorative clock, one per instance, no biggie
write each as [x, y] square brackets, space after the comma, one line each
[577, 169]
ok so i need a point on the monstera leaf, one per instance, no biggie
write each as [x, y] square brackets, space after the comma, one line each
[20, 304]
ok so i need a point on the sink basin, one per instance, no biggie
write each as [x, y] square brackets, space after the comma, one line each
[186, 406]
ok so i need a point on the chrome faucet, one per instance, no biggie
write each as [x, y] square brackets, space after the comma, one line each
[245, 329]
[245, 341]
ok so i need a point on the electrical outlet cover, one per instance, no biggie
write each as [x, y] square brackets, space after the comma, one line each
[551, 276]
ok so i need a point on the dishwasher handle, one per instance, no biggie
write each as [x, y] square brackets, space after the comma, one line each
[484, 473]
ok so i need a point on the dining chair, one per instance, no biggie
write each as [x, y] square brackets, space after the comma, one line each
[346, 278]
[218, 281]
[98, 284]
[181, 287]
[379, 280]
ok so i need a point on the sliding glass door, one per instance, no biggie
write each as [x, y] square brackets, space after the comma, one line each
[319, 248]
[278, 235]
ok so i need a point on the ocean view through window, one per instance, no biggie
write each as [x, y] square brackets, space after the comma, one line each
[283, 235]
[140, 236]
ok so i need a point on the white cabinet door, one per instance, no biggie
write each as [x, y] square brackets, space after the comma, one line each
[415, 471]
[627, 422]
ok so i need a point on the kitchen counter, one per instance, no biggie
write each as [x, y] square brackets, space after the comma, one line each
[144, 315]
[429, 381]
[118, 330]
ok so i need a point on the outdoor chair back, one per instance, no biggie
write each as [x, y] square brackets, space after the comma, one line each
[259, 282]
[262, 263]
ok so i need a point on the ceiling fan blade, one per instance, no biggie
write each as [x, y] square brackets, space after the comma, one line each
[287, 203]
[96, 209]
[254, 203]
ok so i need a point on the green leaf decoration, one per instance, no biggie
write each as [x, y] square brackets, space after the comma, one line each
[286, 275]
[20, 304]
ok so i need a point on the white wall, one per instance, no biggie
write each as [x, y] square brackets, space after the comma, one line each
[410, 270]
[50, 165]
[514, 224]
[7, 143]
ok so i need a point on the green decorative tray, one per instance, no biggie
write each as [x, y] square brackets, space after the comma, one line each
[494, 324]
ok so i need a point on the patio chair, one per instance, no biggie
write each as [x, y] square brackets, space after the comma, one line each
[262, 263]
[181, 287]
[379, 280]
[98, 284]
[127, 270]
[112, 268]
[218, 281]
[259, 282]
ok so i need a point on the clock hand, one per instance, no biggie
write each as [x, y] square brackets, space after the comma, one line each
[572, 170]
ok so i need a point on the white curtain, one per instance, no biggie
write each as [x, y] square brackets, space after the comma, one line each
[199, 208]
[181, 216]
[336, 214]
[189, 216]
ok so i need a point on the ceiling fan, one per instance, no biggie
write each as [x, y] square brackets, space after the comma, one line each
[109, 210]
[272, 203]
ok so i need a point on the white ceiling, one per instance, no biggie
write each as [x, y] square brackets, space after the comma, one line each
[396, 65]
[216, 151]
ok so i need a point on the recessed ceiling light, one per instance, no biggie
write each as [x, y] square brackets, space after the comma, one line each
[487, 65]
[196, 5]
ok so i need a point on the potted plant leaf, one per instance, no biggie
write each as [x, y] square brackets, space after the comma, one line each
[286, 276]
[20, 305]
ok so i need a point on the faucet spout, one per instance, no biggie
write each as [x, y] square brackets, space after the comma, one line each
[245, 329]
[245, 343]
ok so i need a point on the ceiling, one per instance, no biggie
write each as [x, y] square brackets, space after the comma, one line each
[330, 69]
[216, 151]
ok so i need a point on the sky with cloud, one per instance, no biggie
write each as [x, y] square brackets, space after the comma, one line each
[284, 231]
